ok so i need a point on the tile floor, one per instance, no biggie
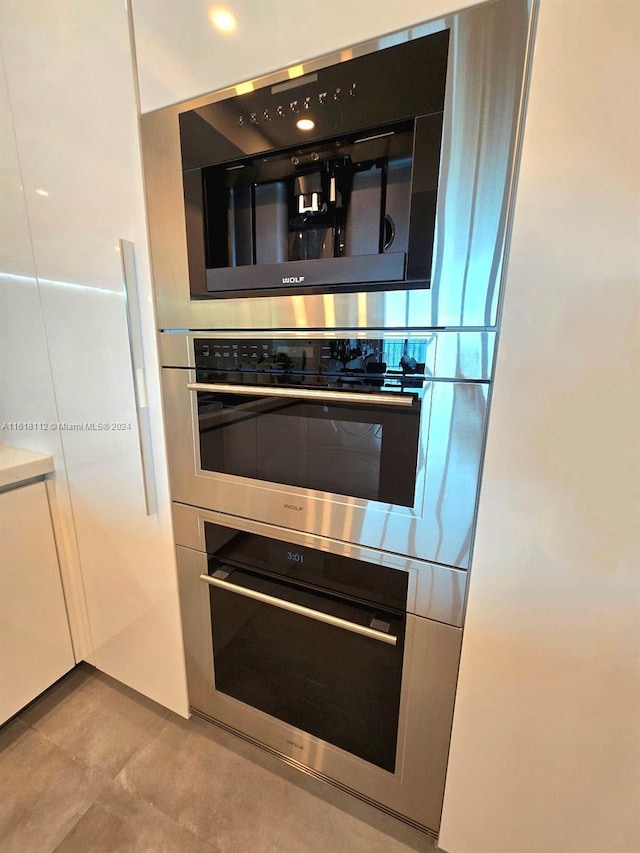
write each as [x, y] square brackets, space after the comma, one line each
[93, 766]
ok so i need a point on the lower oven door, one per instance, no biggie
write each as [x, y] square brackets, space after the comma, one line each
[356, 709]
[327, 665]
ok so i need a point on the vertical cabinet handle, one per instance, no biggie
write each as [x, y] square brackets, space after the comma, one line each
[132, 301]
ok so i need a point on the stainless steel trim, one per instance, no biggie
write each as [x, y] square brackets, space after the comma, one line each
[175, 350]
[302, 611]
[405, 401]
[316, 774]
[134, 326]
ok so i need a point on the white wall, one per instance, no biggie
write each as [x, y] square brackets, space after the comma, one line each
[547, 724]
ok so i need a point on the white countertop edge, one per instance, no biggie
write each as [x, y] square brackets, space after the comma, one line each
[18, 465]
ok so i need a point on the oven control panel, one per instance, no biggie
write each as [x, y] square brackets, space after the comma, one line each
[335, 356]
[353, 96]
[343, 576]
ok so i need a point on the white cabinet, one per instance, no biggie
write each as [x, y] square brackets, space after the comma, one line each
[27, 394]
[72, 97]
[34, 632]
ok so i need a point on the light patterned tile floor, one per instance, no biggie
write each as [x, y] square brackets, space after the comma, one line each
[93, 766]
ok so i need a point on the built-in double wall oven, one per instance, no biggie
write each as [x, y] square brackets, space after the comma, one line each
[327, 248]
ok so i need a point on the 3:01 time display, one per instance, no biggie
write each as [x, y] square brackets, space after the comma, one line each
[295, 557]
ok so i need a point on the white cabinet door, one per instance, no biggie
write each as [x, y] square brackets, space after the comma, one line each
[27, 394]
[71, 86]
[35, 644]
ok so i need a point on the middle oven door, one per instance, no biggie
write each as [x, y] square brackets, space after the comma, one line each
[386, 475]
[356, 445]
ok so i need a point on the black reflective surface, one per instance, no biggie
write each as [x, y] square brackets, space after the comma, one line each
[307, 567]
[383, 87]
[325, 680]
[349, 448]
[321, 183]
[394, 361]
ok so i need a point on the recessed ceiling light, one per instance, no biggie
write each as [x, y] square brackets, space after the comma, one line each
[305, 124]
[42, 192]
[223, 20]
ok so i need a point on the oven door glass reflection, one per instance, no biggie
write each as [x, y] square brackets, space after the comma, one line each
[267, 656]
[358, 450]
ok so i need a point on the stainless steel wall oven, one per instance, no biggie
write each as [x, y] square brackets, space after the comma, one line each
[327, 247]
[367, 436]
[267, 657]
[342, 660]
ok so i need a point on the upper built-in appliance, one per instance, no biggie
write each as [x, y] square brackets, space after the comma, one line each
[367, 188]
[325, 182]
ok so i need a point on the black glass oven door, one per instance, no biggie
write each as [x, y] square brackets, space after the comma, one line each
[358, 449]
[325, 664]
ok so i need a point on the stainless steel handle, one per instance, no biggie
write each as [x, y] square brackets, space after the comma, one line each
[404, 400]
[302, 611]
[132, 302]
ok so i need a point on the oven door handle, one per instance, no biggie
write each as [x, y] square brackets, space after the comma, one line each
[399, 400]
[372, 633]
